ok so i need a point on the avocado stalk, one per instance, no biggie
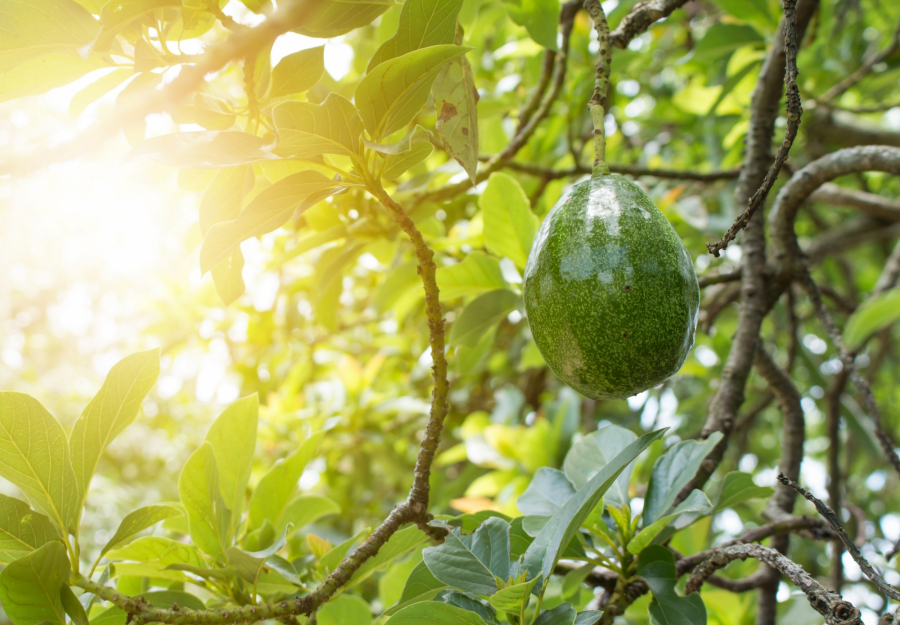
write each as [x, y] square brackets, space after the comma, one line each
[597, 104]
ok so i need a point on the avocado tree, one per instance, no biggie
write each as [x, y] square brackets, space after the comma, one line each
[541, 176]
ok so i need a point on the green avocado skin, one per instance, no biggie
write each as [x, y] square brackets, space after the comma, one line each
[610, 290]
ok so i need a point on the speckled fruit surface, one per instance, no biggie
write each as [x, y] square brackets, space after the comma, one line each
[610, 290]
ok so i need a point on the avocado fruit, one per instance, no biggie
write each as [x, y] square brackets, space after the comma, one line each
[610, 290]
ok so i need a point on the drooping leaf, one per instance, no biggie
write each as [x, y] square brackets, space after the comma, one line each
[22, 530]
[307, 130]
[137, 521]
[543, 554]
[297, 72]
[656, 565]
[671, 472]
[400, 544]
[875, 313]
[198, 487]
[738, 487]
[423, 23]
[477, 273]
[224, 196]
[435, 613]
[34, 455]
[539, 17]
[593, 452]
[563, 614]
[420, 586]
[204, 149]
[113, 408]
[695, 502]
[332, 18]
[393, 93]
[509, 224]
[548, 491]
[480, 315]
[38, 27]
[268, 211]
[455, 564]
[72, 606]
[233, 439]
[276, 488]
[456, 102]
[30, 587]
[511, 598]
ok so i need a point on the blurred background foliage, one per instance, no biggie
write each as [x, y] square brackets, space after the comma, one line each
[99, 259]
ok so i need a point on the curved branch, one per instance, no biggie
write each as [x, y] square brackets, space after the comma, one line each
[642, 17]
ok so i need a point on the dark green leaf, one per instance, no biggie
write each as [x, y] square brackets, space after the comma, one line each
[470, 603]
[435, 613]
[738, 487]
[563, 614]
[455, 564]
[490, 544]
[656, 565]
[588, 617]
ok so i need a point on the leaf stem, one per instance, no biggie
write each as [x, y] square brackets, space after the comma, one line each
[597, 103]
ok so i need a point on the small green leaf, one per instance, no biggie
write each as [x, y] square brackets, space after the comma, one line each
[34, 455]
[543, 554]
[393, 93]
[308, 130]
[877, 312]
[345, 610]
[593, 452]
[539, 17]
[477, 273]
[509, 224]
[137, 521]
[113, 408]
[513, 598]
[480, 315]
[563, 614]
[435, 613]
[268, 211]
[695, 502]
[656, 565]
[73, 606]
[548, 491]
[400, 544]
[198, 487]
[332, 18]
[297, 72]
[233, 439]
[455, 564]
[30, 587]
[203, 149]
[738, 487]
[22, 530]
[276, 488]
[671, 472]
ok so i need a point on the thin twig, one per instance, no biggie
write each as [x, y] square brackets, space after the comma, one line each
[860, 73]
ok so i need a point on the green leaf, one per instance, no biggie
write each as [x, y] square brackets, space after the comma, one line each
[574, 578]
[233, 439]
[512, 598]
[456, 102]
[392, 94]
[876, 313]
[435, 613]
[723, 38]
[137, 521]
[490, 544]
[588, 617]
[276, 488]
[399, 544]
[158, 551]
[656, 565]
[113, 408]
[345, 610]
[454, 563]
[466, 602]
[332, 18]
[36, 27]
[696, 501]
[30, 587]
[198, 487]
[249, 565]
[22, 530]
[671, 472]
[593, 452]
[297, 72]
[224, 196]
[539, 17]
[477, 273]
[543, 554]
[305, 509]
[418, 148]
[480, 315]
[420, 586]
[308, 130]
[509, 224]
[41, 74]
[563, 614]
[204, 149]
[738, 487]
[228, 277]
[96, 90]
[423, 23]
[72, 606]
[34, 455]
[268, 211]
[548, 491]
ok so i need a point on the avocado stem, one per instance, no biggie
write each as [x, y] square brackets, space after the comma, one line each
[597, 103]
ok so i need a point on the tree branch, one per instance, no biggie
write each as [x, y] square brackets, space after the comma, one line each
[642, 17]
